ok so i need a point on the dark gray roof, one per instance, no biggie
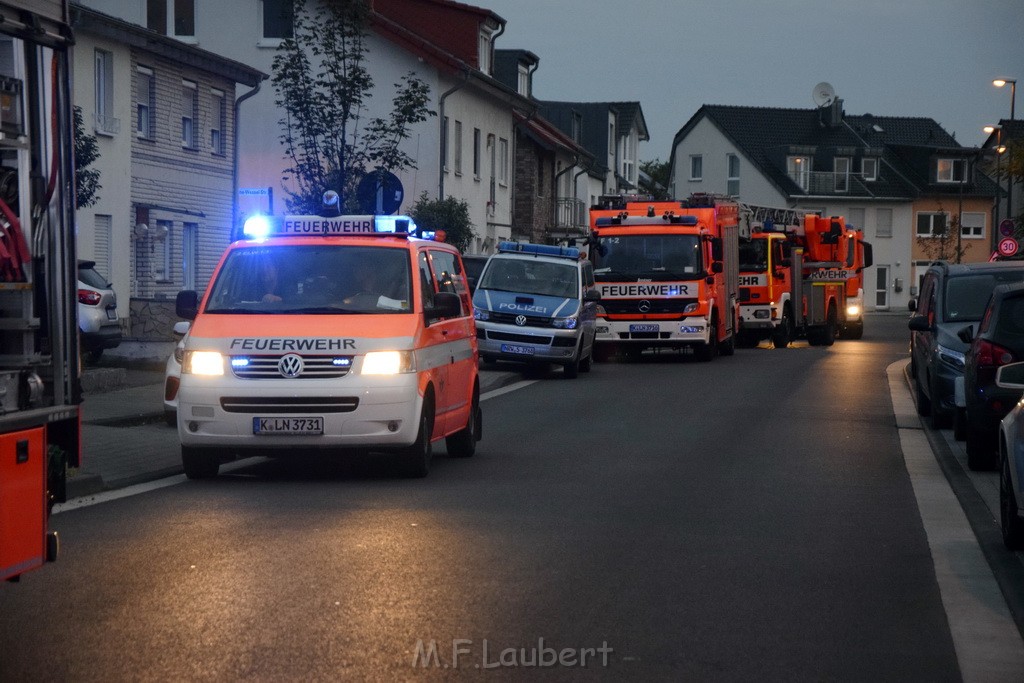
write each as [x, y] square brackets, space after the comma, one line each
[904, 145]
[594, 122]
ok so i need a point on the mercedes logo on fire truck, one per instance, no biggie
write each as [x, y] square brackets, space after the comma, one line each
[290, 365]
[520, 320]
[644, 306]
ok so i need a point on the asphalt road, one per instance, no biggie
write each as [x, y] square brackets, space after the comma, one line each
[746, 519]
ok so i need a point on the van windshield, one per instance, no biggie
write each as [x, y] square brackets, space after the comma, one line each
[967, 295]
[327, 279]
[651, 257]
[530, 276]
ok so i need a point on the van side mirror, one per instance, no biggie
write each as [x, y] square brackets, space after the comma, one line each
[446, 305]
[186, 304]
[966, 334]
[919, 323]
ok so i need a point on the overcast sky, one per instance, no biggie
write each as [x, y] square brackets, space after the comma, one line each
[929, 58]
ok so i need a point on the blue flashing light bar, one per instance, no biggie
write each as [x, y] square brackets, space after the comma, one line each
[538, 249]
[684, 220]
[261, 227]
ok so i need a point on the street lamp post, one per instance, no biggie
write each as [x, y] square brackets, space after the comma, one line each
[998, 130]
[999, 83]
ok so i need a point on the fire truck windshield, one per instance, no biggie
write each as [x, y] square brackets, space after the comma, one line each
[753, 256]
[649, 257]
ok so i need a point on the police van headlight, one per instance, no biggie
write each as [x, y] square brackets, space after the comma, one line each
[569, 323]
[203, 363]
[388, 363]
[481, 314]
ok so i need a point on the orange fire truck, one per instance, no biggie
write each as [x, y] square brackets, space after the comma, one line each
[40, 391]
[793, 257]
[667, 273]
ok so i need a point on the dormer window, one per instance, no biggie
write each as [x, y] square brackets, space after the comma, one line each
[869, 168]
[951, 170]
[524, 81]
[799, 169]
[484, 57]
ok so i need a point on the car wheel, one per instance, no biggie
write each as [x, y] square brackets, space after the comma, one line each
[415, 459]
[1010, 522]
[728, 347]
[924, 404]
[783, 334]
[462, 444]
[960, 424]
[979, 449]
[939, 418]
[199, 463]
[588, 362]
[707, 352]
[571, 370]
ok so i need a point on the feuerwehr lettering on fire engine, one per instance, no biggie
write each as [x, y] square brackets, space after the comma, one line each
[347, 225]
[647, 289]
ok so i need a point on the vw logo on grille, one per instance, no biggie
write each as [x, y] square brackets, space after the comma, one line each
[520, 320]
[644, 306]
[290, 365]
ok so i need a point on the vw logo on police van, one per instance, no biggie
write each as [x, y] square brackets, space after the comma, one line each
[290, 365]
[520, 320]
[644, 306]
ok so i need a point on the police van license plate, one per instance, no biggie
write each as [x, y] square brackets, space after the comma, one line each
[302, 426]
[515, 348]
[644, 328]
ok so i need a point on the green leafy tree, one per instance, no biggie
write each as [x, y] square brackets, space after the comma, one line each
[450, 215]
[944, 244]
[87, 181]
[323, 85]
[658, 171]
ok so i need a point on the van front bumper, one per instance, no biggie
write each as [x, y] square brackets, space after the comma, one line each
[526, 344]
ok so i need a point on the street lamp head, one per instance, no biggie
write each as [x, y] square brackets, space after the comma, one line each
[1000, 149]
[1000, 82]
[990, 129]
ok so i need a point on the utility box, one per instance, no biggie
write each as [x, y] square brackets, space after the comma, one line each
[22, 501]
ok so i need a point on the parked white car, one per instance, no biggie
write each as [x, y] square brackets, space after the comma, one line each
[172, 375]
[1011, 460]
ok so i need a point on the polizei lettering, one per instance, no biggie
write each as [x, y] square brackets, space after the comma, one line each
[524, 308]
[284, 345]
[643, 289]
[346, 225]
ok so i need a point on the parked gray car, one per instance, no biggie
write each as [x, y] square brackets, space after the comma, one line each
[97, 312]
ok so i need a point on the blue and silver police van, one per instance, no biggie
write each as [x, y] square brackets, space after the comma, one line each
[536, 303]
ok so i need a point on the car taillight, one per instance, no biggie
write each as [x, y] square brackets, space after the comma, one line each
[993, 355]
[88, 297]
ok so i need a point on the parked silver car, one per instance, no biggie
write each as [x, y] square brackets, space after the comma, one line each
[97, 312]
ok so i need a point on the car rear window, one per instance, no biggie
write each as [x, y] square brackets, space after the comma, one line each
[92, 278]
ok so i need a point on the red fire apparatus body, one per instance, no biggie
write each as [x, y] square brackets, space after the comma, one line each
[40, 391]
[801, 274]
[667, 273]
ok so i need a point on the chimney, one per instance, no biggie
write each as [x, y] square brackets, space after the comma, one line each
[835, 113]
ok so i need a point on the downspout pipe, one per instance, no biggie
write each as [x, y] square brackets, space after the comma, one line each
[234, 157]
[443, 136]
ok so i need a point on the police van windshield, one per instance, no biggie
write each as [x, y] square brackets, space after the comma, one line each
[531, 276]
[326, 279]
[652, 257]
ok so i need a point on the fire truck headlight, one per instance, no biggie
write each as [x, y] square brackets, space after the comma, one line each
[762, 313]
[203, 363]
[565, 323]
[388, 363]
[852, 311]
[481, 314]
[691, 308]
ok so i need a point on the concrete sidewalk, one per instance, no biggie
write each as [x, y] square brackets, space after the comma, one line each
[125, 440]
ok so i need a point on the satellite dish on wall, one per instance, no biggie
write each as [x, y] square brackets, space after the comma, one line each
[823, 94]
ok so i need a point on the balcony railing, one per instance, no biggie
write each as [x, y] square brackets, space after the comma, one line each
[570, 214]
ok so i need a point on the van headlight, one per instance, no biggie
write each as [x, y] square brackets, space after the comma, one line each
[388, 362]
[203, 363]
[569, 323]
[481, 314]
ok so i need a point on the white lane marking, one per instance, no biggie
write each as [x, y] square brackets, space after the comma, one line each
[987, 643]
[137, 489]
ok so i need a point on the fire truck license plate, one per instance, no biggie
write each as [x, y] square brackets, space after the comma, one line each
[304, 426]
[515, 348]
[644, 328]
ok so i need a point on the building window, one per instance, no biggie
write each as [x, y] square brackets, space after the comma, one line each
[476, 153]
[733, 183]
[163, 259]
[189, 254]
[105, 121]
[951, 170]
[972, 225]
[855, 218]
[696, 167]
[629, 159]
[278, 19]
[444, 144]
[799, 169]
[503, 161]
[145, 91]
[180, 15]
[869, 168]
[484, 58]
[218, 121]
[189, 113]
[883, 222]
[457, 142]
[931, 224]
[841, 166]
[524, 81]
